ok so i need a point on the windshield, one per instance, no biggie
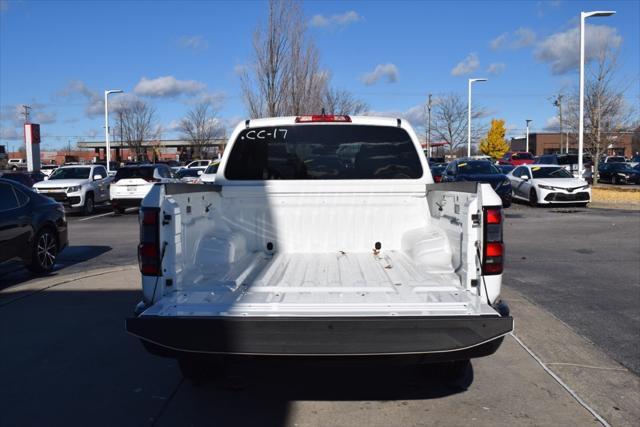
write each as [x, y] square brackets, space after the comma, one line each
[558, 172]
[187, 172]
[522, 156]
[477, 168]
[213, 168]
[70, 173]
[619, 166]
[321, 151]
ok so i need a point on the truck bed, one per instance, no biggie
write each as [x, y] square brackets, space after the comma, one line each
[321, 284]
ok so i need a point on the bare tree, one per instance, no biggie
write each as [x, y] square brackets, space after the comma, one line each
[201, 127]
[450, 121]
[284, 77]
[337, 101]
[136, 123]
[606, 111]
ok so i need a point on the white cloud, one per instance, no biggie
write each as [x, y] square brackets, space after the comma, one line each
[387, 71]
[415, 115]
[499, 41]
[552, 124]
[44, 117]
[522, 37]
[95, 103]
[216, 99]
[496, 68]
[121, 101]
[339, 20]
[240, 69]
[195, 43]
[9, 133]
[167, 87]
[468, 65]
[562, 50]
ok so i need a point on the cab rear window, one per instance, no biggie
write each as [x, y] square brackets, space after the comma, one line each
[323, 152]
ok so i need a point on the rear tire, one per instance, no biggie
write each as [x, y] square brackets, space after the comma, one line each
[118, 210]
[533, 198]
[44, 251]
[89, 204]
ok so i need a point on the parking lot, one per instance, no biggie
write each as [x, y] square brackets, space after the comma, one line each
[572, 280]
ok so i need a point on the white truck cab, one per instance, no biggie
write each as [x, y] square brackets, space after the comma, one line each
[322, 236]
[77, 187]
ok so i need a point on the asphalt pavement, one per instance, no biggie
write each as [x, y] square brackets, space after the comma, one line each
[582, 265]
[572, 276]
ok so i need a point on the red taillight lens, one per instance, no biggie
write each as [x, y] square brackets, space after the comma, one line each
[149, 247]
[493, 215]
[493, 251]
[437, 178]
[323, 118]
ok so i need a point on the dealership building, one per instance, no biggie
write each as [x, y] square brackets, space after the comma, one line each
[619, 143]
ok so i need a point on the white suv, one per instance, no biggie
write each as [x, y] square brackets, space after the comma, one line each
[77, 187]
[15, 164]
[132, 183]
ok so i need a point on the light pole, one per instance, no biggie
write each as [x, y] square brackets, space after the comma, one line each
[106, 126]
[528, 121]
[469, 116]
[583, 17]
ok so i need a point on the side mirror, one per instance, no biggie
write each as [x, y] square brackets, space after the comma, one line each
[97, 177]
[524, 177]
[199, 172]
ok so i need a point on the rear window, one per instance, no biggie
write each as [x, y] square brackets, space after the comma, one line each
[129, 172]
[323, 152]
[187, 172]
[522, 156]
[480, 167]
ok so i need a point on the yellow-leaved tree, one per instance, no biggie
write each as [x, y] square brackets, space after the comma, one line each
[494, 144]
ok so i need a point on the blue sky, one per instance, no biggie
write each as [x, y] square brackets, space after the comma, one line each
[59, 56]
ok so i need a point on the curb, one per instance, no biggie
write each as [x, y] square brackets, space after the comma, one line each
[23, 290]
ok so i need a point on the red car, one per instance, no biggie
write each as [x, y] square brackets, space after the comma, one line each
[517, 158]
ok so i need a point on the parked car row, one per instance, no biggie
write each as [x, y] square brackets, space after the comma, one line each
[531, 181]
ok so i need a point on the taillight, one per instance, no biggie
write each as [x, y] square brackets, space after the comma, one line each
[149, 258]
[323, 118]
[493, 251]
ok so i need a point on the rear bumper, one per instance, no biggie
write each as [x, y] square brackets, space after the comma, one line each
[443, 338]
[126, 203]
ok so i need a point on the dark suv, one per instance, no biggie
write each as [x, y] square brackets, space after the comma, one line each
[480, 171]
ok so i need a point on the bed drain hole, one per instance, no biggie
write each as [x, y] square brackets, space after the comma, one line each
[378, 246]
[269, 246]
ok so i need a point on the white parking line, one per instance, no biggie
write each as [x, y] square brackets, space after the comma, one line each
[104, 214]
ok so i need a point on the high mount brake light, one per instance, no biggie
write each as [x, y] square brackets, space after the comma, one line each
[493, 247]
[323, 118]
[149, 247]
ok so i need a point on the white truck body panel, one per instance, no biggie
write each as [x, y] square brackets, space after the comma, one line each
[307, 249]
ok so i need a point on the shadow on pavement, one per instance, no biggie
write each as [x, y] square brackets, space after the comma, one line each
[67, 349]
[258, 396]
[13, 272]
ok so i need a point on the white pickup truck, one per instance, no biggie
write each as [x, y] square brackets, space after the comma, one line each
[322, 236]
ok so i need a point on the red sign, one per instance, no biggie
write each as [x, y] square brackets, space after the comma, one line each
[35, 133]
